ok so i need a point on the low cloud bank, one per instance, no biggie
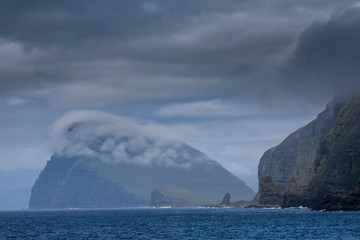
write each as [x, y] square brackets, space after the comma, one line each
[114, 139]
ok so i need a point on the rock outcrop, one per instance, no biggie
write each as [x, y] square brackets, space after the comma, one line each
[317, 160]
[269, 192]
[226, 200]
[343, 200]
[225, 203]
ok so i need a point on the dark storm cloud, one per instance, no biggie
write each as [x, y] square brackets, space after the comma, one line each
[91, 52]
[327, 56]
[44, 23]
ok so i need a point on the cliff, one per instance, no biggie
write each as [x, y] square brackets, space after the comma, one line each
[66, 183]
[294, 157]
[337, 164]
[111, 164]
[270, 193]
[90, 183]
[316, 160]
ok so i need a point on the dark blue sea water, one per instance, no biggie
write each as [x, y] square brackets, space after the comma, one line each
[179, 224]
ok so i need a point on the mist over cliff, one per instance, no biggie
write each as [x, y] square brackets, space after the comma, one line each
[113, 139]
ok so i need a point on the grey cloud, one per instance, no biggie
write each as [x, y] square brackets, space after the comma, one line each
[327, 57]
[72, 22]
[153, 51]
[183, 48]
[214, 108]
[114, 140]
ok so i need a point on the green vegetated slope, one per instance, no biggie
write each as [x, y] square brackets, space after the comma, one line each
[172, 192]
[208, 180]
[337, 165]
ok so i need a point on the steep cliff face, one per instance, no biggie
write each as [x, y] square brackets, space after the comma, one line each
[294, 157]
[105, 161]
[317, 159]
[65, 183]
[90, 183]
[337, 164]
[269, 192]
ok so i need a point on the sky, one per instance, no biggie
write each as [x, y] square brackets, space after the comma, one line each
[231, 78]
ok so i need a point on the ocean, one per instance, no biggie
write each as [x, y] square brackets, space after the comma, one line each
[179, 224]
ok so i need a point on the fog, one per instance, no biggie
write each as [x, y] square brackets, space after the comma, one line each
[112, 139]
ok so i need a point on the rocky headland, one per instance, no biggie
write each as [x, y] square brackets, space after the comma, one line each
[316, 166]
